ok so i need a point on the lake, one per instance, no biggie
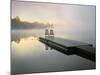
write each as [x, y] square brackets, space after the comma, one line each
[29, 55]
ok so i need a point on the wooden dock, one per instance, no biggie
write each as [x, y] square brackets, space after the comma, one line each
[70, 47]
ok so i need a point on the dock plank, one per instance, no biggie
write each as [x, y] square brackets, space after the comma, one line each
[67, 42]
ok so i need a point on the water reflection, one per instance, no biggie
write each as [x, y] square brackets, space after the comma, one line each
[24, 45]
[30, 56]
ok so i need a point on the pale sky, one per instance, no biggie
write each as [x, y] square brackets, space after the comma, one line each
[53, 13]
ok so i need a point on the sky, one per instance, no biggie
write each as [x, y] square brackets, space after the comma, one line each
[78, 21]
[53, 13]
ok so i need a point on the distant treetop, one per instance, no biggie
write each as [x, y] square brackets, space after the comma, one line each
[17, 18]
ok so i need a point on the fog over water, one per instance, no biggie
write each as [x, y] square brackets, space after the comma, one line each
[80, 35]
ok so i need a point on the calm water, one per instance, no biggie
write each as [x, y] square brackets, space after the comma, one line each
[30, 56]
